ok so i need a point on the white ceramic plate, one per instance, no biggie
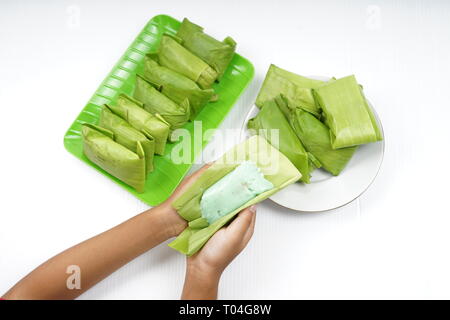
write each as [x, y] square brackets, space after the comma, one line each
[326, 192]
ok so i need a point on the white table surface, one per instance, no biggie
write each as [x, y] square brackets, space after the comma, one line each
[393, 242]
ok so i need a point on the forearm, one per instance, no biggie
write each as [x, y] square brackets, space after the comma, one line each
[200, 285]
[99, 256]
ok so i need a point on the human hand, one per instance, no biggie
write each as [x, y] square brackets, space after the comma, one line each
[175, 223]
[203, 270]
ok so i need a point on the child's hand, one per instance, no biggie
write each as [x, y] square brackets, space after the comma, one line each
[205, 267]
[203, 270]
[225, 244]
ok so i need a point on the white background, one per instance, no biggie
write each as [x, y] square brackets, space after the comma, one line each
[391, 243]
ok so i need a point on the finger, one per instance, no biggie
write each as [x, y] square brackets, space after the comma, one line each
[249, 233]
[240, 225]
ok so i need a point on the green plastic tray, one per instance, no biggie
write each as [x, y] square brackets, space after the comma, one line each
[167, 175]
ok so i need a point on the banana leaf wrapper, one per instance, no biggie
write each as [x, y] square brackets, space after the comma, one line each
[347, 113]
[315, 137]
[271, 118]
[176, 86]
[124, 164]
[157, 103]
[218, 54]
[171, 54]
[297, 89]
[128, 136]
[275, 166]
[133, 111]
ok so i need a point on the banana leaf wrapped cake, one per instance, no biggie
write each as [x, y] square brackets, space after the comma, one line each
[157, 103]
[171, 54]
[128, 166]
[176, 86]
[347, 113]
[242, 184]
[217, 54]
[128, 136]
[297, 89]
[253, 168]
[133, 112]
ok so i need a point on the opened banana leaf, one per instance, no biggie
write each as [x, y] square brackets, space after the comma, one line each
[347, 113]
[217, 54]
[275, 167]
[274, 127]
[132, 111]
[176, 86]
[171, 54]
[117, 160]
[157, 103]
[128, 136]
[296, 88]
[241, 185]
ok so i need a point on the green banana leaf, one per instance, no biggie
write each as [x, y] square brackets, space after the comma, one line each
[171, 54]
[285, 105]
[347, 113]
[214, 52]
[176, 86]
[296, 88]
[275, 167]
[117, 160]
[157, 103]
[132, 111]
[315, 136]
[271, 117]
[128, 136]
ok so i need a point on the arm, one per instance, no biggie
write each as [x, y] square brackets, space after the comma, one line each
[101, 255]
[204, 269]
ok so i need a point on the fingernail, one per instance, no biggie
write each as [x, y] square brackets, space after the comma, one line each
[252, 209]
